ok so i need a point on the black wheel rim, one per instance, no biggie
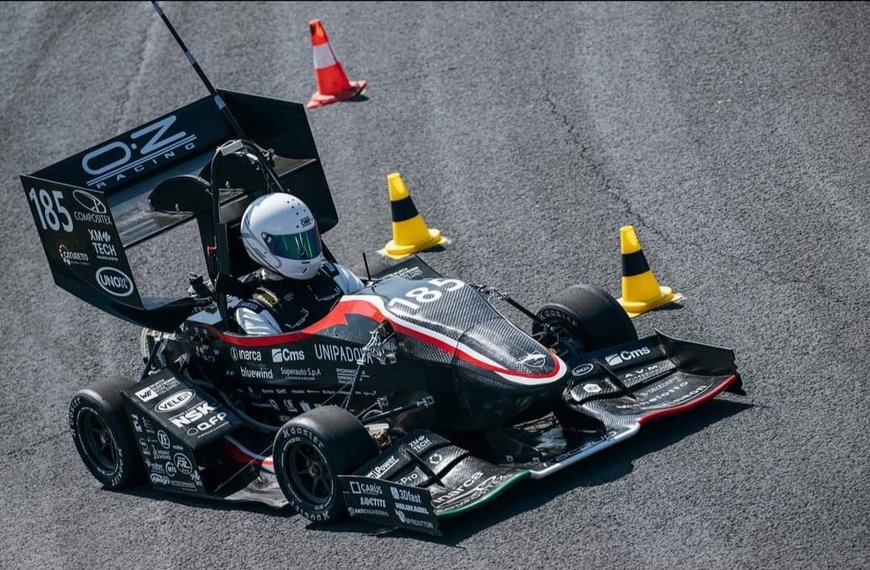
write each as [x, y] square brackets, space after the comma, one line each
[309, 473]
[560, 330]
[98, 441]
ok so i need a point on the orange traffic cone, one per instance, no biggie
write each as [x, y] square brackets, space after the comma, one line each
[332, 83]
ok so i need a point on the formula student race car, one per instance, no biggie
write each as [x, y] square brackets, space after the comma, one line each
[412, 401]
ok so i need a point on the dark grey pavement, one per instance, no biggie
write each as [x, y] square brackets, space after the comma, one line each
[735, 137]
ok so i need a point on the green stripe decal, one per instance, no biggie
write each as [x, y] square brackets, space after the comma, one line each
[495, 493]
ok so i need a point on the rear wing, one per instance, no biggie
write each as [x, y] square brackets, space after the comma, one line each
[90, 207]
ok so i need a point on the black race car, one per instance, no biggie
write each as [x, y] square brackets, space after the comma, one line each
[412, 401]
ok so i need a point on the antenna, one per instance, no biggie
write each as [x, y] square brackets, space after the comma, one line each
[218, 100]
[366, 262]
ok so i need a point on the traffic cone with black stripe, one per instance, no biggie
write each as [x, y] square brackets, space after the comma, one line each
[410, 233]
[641, 291]
[332, 83]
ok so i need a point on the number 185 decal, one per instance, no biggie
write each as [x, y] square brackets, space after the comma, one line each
[423, 295]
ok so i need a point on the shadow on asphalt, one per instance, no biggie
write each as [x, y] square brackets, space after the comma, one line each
[602, 468]
[605, 467]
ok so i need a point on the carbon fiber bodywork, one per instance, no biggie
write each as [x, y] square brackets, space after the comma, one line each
[457, 348]
[505, 407]
[651, 378]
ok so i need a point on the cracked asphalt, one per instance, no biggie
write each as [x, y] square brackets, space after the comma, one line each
[733, 136]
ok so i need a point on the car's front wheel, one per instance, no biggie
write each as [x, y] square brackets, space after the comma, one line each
[587, 313]
[309, 454]
[102, 434]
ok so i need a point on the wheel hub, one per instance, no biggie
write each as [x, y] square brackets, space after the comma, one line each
[314, 470]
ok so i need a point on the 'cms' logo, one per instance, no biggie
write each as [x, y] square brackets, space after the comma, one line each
[147, 146]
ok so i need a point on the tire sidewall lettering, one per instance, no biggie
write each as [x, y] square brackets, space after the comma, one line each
[79, 405]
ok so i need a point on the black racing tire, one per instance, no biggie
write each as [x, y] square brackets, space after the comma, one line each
[102, 434]
[311, 451]
[588, 313]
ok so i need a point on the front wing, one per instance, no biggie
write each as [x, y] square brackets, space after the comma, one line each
[424, 478]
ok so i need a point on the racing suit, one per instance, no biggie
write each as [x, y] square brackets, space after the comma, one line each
[279, 304]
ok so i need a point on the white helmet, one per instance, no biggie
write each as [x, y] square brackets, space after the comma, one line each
[280, 233]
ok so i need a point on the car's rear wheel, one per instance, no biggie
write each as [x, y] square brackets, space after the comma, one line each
[102, 434]
[311, 451]
[587, 313]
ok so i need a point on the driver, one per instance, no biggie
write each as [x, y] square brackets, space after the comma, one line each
[296, 285]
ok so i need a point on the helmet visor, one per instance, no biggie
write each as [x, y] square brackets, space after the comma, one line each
[300, 246]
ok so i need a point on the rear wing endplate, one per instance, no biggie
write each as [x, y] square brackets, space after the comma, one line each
[90, 207]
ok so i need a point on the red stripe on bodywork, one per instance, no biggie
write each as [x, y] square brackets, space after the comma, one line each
[363, 308]
[243, 456]
[336, 317]
[438, 343]
[688, 405]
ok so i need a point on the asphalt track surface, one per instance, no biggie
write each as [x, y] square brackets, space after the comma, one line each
[734, 137]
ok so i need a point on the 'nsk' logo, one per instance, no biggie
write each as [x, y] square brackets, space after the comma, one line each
[190, 416]
[626, 355]
[112, 162]
[114, 281]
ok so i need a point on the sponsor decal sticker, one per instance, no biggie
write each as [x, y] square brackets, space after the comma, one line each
[419, 443]
[406, 495]
[158, 479]
[72, 257]
[626, 355]
[338, 353]
[582, 369]
[145, 148]
[146, 394]
[256, 374]
[190, 416]
[534, 360]
[246, 354]
[372, 502]
[280, 355]
[114, 281]
[591, 388]
[469, 491]
[101, 241]
[163, 439]
[300, 373]
[183, 463]
[413, 522]
[379, 470]
[365, 489]
[412, 508]
[174, 401]
[89, 202]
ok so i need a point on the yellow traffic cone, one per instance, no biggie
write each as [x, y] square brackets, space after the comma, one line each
[410, 234]
[640, 290]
